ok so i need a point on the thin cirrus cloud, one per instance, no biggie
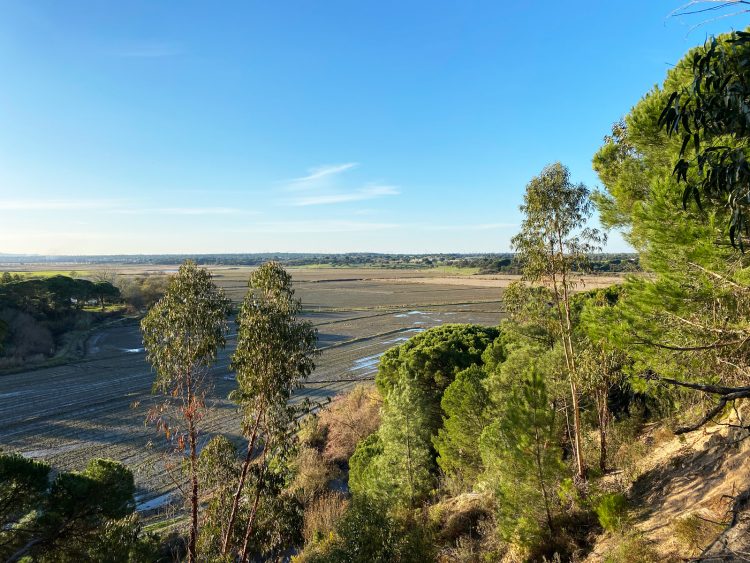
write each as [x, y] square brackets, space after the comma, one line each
[477, 227]
[184, 211]
[320, 174]
[336, 226]
[55, 204]
[110, 206]
[361, 194]
[324, 185]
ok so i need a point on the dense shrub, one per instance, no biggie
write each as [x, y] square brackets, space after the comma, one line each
[612, 509]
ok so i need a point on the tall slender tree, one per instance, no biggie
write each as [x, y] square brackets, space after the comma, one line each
[183, 333]
[275, 354]
[555, 242]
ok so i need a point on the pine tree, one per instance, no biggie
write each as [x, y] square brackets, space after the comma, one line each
[523, 462]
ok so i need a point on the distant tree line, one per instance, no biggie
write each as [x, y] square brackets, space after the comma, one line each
[485, 263]
[37, 314]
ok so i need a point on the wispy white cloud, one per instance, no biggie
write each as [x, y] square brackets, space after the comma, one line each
[184, 211]
[111, 206]
[319, 226]
[472, 227]
[361, 194]
[319, 175]
[323, 185]
[56, 204]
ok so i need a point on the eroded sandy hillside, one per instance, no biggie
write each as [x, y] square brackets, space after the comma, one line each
[690, 500]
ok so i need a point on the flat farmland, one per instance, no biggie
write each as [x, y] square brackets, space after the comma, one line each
[96, 406]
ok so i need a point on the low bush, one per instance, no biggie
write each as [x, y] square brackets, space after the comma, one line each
[312, 475]
[611, 509]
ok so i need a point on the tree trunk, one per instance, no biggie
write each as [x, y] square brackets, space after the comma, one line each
[540, 476]
[254, 511]
[240, 484]
[603, 411]
[193, 540]
[568, 335]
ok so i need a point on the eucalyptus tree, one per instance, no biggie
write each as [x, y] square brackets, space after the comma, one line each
[183, 333]
[709, 113]
[555, 242]
[275, 354]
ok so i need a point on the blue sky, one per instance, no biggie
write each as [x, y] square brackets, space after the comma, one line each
[315, 126]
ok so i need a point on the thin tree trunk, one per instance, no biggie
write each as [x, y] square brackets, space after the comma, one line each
[193, 540]
[603, 411]
[540, 476]
[580, 465]
[408, 464]
[254, 511]
[241, 484]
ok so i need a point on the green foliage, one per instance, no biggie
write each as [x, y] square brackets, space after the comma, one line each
[218, 469]
[465, 404]
[431, 360]
[553, 237]
[76, 517]
[612, 511]
[553, 242]
[406, 464]
[709, 116]
[687, 320]
[397, 467]
[274, 355]
[367, 532]
[364, 473]
[275, 350]
[182, 334]
[185, 329]
[523, 462]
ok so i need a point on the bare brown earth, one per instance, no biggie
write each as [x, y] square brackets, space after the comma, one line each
[701, 475]
[96, 407]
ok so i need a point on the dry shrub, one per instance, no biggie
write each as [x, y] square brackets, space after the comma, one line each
[322, 515]
[695, 533]
[312, 475]
[633, 548]
[141, 292]
[349, 419]
[312, 433]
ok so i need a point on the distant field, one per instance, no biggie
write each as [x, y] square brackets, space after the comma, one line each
[97, 406]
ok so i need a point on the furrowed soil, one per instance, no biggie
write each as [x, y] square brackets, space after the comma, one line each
[97, 406]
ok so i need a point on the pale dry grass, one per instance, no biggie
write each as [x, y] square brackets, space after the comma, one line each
[349, 419]
[321, 516]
